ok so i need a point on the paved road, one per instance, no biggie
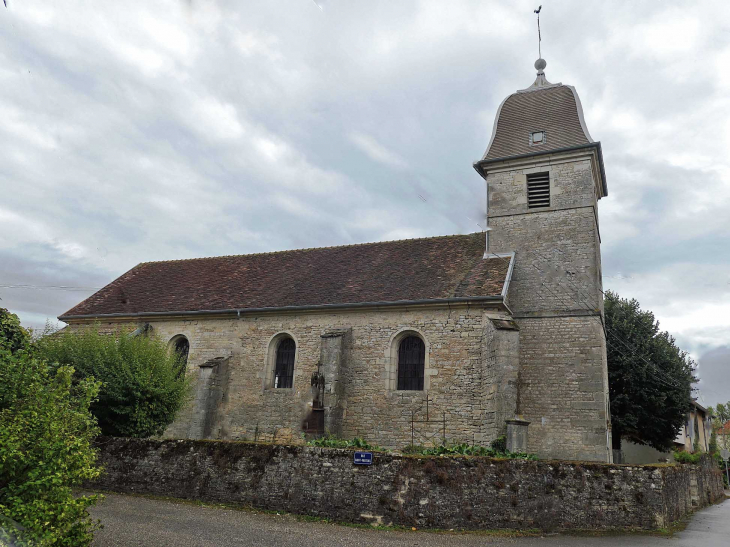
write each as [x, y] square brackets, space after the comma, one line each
[136, 521]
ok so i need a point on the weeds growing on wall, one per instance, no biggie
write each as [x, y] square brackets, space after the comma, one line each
[464, 449]
[332, 441]
[687, 457]
[497, 449]
[142, 388]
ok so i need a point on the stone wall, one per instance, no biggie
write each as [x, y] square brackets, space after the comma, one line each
[555, 296]
[565, 357]
[468, 493]
[471, 370]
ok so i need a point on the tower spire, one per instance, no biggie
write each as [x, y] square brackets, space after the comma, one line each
[540, 64]
[539, 37]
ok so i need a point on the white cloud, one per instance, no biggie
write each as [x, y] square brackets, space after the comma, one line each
[377, 151]
[18, 127]
[214, 119]
[71, 249]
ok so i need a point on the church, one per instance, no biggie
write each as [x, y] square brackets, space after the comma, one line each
[459, 338]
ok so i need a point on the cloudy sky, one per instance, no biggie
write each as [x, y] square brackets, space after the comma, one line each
[134, 131]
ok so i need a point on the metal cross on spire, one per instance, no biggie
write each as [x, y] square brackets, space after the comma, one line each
[539, 37]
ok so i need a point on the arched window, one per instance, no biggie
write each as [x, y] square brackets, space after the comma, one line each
[182, 348]
[284, 368]
[411, 363]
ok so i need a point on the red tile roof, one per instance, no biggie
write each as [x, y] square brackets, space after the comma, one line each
[414, 269]
[724, 429]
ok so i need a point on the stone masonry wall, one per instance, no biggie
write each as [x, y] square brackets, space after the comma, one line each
[563, 388]
[462, 493]
[470, 368]
[555, 295]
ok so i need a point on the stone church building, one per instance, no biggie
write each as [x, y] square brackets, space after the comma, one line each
[413, 340]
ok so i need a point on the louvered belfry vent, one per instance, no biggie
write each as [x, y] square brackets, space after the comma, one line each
[538, 190]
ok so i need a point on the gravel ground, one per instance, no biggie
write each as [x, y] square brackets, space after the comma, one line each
[138, 521]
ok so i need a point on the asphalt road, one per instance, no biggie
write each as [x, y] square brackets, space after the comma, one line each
[137, 521]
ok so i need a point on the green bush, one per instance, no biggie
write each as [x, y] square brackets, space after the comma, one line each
[332, 441]
[46, 434]
[499, 444]
[721, 465]
[687, 457]
[12, 336]
[142, 389]
[712, 448]
[464, 449]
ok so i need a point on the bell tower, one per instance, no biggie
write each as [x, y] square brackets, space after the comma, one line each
[544, 176]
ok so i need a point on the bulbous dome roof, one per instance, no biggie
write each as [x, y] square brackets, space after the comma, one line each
[553, 109]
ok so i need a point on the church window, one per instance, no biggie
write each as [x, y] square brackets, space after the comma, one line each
[411, 363]
[538, 190]
[284, 368]
[181, 347]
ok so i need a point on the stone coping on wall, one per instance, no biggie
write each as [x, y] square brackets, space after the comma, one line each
[460, 492]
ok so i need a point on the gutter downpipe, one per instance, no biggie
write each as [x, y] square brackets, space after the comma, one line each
[486, 221]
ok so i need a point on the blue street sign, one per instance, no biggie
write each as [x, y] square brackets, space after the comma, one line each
[363, 458]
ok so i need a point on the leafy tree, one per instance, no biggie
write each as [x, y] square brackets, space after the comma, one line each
[46, 434]
[712, 446]
[650, 378]
[12, 335]
[142, 388]
[721, 416]
[721, 412]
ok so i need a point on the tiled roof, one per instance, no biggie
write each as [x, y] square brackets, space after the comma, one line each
[554, 109]
[724, 429]
[407, 270]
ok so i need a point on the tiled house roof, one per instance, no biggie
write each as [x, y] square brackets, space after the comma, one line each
[408, 270]
[554, 109]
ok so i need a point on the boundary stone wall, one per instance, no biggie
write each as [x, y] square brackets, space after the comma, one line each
[426, 492]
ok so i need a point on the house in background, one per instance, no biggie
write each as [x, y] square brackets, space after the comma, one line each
[697, 426]
[723, 435]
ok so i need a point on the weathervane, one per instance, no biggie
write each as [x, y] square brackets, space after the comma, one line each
[539, 38]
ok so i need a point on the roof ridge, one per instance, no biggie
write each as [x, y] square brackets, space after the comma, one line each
[532, 88]
[305, 249]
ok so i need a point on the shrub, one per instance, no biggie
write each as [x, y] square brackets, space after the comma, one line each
[464, 449]
[712, 448]
[142, 386]
[46, 431]
[499, 444]
[332, 441]
[12, 336]
[721, 465]
[687, 457]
